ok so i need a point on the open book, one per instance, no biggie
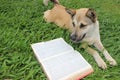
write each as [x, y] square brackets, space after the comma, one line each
[60, 61]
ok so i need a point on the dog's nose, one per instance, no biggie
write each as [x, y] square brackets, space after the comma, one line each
[73, 37]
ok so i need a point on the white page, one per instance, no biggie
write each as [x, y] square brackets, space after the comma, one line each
[51, 48]
[64, 65]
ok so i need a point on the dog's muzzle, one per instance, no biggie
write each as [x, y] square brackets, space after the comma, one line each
[76, 38]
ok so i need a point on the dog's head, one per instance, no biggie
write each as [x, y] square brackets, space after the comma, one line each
[83, 20]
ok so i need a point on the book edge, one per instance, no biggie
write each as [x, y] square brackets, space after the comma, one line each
[78, 74]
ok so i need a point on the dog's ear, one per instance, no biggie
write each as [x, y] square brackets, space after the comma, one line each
[92, 15]
[70, 11]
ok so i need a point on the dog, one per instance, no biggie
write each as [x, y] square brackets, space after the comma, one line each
[84, 27]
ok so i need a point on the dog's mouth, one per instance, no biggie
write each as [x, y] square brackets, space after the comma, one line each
[79, 39]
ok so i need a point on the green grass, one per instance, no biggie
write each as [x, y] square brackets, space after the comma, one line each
[21, 24]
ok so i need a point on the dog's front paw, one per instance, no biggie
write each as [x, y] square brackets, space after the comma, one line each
[112, 62]
[100, 61]
[101, 64]
[109, 58]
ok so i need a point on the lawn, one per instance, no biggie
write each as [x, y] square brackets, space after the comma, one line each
[21, 24]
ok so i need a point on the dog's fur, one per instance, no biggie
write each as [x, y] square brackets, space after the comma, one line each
[83, 25]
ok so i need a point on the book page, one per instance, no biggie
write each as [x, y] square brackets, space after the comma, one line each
[51, 48]
[59, 67]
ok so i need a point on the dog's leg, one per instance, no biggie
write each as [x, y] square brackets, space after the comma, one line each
[45, 2]
[47, 17]
[96, 56]
[101, 48]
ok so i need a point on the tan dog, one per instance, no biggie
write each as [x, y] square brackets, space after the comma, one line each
[83, 25]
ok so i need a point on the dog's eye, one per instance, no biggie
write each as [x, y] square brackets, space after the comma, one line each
[82, 25]
[73, 24]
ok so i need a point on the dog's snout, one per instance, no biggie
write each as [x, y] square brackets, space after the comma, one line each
[73, 37]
